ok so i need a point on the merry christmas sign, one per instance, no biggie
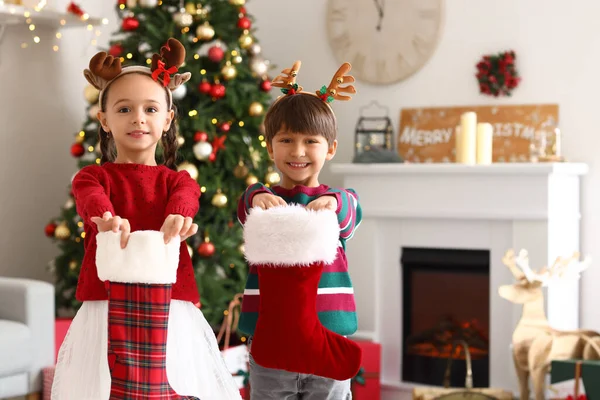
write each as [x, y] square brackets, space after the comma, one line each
[428, 134]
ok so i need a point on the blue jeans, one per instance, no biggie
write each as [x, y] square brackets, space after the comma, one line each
[275, 384]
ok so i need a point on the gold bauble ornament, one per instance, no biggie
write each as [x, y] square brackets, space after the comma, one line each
[190, 250]
[205, 31]
[229, 71]
[272, 177]
[219, 199]
[183, 19]
[251, 180]
[73, 265]
[190, 168]
[246, 40]
[62, 232]
[190, 8]
[240, 170]
[237, 59]
[79, 138]
[255, 109]
[180, 140]
[91, 94]
[242, 248]
[237, 2]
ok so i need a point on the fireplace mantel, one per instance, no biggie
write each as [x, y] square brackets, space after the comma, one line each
[492, 207]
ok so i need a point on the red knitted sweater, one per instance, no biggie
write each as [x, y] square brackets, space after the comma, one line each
[144, 195]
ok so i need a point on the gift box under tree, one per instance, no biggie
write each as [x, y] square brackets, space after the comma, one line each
[366, 385]
[569, 371]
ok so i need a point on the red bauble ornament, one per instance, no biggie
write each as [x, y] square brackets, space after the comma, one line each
[206, 249]
[115, 50]
[217, 91]
[216, 54]
[204, 87]
[244, 23]
[265, 86]
[212, 157]
[130, 24]
[225, 127]
[200, 137]
[49, 229]
[77, 150]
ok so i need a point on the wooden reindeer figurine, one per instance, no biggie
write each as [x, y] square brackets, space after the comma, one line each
[535, 343]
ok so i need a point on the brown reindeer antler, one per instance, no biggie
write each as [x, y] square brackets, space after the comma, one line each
[332, 92]
[171, 56]
[102, 69]
[509, 261]
[287, 80]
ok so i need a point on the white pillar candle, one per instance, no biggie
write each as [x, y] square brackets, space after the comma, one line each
[485, 136]
[466, 149]
[457, 148]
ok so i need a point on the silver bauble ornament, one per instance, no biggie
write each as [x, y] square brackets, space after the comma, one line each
[180, 92]
[202, 150]
[255, 49]
[259, 66]
[148, 3]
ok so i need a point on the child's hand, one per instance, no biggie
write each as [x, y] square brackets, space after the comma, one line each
[267, 200]
[323, 203]
[176, 224]
[107, 223]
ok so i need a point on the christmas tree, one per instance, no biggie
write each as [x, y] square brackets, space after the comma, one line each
[221, 142]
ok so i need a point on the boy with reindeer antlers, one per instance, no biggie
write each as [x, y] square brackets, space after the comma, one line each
[299, 303]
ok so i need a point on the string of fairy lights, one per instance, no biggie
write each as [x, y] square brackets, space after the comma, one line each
[31, 15]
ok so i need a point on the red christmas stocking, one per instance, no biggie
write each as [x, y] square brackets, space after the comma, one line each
[290, 245]
[139, 298]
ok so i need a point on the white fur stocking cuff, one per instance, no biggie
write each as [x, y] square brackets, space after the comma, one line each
[146, 259]
[290, 235]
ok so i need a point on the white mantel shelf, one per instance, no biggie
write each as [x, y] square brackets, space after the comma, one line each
[458, 169]
[502, 191]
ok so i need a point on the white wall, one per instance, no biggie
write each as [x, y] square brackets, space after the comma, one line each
[558, 50]
[41, 108]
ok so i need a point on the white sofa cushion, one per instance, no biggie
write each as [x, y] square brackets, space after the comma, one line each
[16, 353]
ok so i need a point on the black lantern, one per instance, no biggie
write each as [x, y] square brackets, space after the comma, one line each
[373, 133]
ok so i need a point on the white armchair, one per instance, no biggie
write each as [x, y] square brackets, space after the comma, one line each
[26, 335]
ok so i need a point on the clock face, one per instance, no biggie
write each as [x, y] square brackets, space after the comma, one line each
[386, 41]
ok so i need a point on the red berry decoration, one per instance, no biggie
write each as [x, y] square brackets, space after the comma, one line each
[204, 87]
[49, 229]
[120, 2]
[217, 91]
[265, 86]
[497, 74]
[115, 50]
[200, 137]
[244, 23]
[206, 249]
[225, 127]
[243, 10]
[212, 157]
[77, 150]
[130, 24]
[216, 54]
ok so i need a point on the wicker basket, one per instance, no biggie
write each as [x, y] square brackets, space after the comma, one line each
[468, 392]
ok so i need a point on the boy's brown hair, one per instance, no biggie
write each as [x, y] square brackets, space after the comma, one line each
[301, 113]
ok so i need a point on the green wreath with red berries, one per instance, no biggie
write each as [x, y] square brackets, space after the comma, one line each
[497, 74]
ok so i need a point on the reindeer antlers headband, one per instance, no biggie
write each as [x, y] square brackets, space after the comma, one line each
[287, 82]
[104, 69]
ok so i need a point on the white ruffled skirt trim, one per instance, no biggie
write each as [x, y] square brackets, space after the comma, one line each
[195, 366]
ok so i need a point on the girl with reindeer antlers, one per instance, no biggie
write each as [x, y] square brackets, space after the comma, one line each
[298, 302]
[138, 334]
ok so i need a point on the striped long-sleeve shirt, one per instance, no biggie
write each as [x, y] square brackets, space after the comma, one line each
[336, 307]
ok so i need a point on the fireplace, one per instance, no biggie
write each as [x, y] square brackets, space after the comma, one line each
[445, 299]
[451, 206]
